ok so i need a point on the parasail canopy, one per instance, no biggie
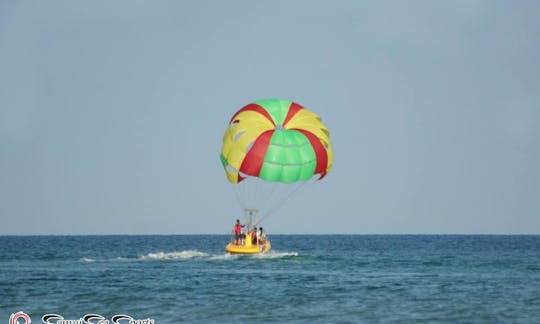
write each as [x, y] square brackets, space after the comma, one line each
[276, 140]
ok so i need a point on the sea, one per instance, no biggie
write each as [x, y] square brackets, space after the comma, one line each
[304, 279]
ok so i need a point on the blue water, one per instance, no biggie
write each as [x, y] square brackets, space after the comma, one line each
[308, 278]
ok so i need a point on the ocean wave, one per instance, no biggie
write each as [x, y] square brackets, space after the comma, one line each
[194, 254]
[123, 259]
[224, 256]
[181, 255]
[191, 254]
[276, 255]
[84, 259]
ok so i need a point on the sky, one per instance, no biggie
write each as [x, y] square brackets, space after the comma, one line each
[112, 113]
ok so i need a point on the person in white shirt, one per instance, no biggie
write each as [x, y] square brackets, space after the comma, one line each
[261, 236]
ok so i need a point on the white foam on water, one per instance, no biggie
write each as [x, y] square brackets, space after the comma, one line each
[275, 255]
[123, 259]
[181, 255]
[194, 254]
[224, 256]
[87, 259]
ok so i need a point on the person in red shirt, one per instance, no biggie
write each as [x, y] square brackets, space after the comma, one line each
[238, 231]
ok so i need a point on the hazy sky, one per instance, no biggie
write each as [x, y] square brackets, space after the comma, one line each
[112, 113]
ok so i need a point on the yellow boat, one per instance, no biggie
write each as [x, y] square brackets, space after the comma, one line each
[247, 247]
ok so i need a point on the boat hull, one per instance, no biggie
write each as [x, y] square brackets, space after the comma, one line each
[252, 249]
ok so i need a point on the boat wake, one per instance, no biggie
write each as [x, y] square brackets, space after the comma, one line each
[193, 255]
[276, 255]
[87, 260]
[182, 255]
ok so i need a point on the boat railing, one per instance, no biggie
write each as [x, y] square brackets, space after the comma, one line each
[247, 240]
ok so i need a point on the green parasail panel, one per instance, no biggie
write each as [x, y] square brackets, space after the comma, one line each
[289, 158]
[277, 109]
[223, 160]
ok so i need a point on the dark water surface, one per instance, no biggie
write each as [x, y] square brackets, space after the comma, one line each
[305, 278]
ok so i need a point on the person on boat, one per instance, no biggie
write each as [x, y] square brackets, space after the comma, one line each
[254, 236]
[238, 232]
[261, 236]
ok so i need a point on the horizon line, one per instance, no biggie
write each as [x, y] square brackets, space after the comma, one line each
[272, 234]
